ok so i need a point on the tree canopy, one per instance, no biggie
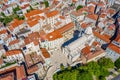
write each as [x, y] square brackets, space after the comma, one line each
[117, 63]
[106, 63]
[3, 15]
[62, 67]
[98, 69]
[46, 3]
[79, 7]
[16, 9]
[31, 8]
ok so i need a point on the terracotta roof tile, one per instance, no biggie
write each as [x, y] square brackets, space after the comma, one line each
[95, 54]
[14, 42]
[32, 69]
[33, 12]
[42, 35]
[74, 0]
[9, 76]
[100, 4]
[3, 32]
[20, 73]
[118, 38]
[16, 23]
[114, 48]
[13, 52]
[111, 11]
[66, 27]
[33, 37]
[33, 23]
[102, 37]
[77, 13]
[33, 58]
[92, 16]
[53, 35]
[95, 43]
[62, 17]
[83, 25]
[103, 15]
[25, 6]
[57, 24]
[86, 50]
[52, 13]
[45, 53]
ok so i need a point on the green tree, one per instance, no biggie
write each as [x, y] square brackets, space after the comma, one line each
[101, 77]
[3, 14]
[28, 11]
[62, 67]
[1, 19]
[69, 67]
[16, 16]
[117, 63]
[7, 20]
[84, 76]
[72, 4]
[16, 9]
[94, 68]
[104, 72]
[31, 8]
[79, 7]
[21, 17]
[46, 3]
[55, 76]
[106, 63]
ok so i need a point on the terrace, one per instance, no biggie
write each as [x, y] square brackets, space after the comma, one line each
[33, 59]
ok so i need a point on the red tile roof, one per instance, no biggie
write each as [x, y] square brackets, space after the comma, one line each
[53, 35]
[93, 55]
[14, 42]
[3, 32]
[13, 52]
[95, 43]
[100, 4]
[114, 48]
[33, 37]
[66, 27]
[32, 69]
[42, 35]
[92, 16]
[16, 23]
[45, 53]
[33, 12]
[52, 13]
[25, 6]
[86, 50]
[83, 25]
[111, 11]
[102, 37]
[62, 17]
[33, 58]
[33, 23]
[118, 38]
[20, 72]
